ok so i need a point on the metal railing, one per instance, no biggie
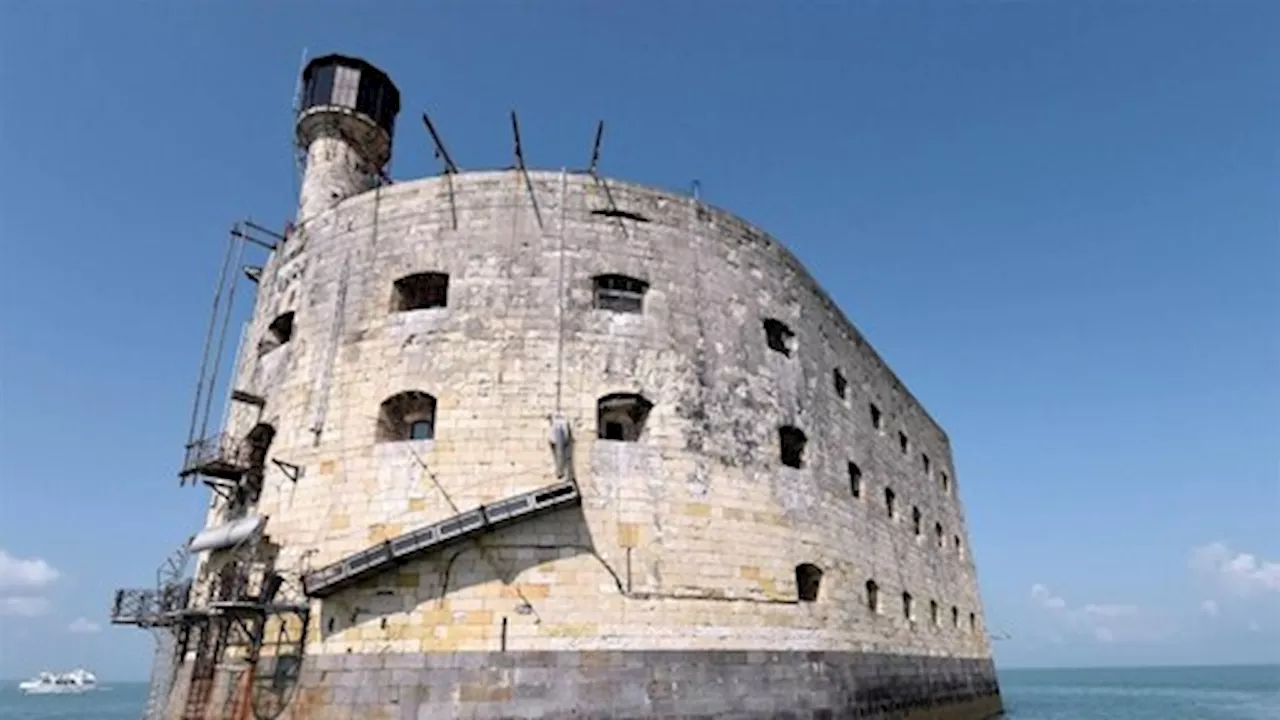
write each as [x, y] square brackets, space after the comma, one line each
[219, 455]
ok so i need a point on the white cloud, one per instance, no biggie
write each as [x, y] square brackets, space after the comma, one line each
[1111, 611]
[1041, 594]
[1210, 608]
[1101, 621]
[1238, 573]
[23, 606]
[83, 626]
[18, 573]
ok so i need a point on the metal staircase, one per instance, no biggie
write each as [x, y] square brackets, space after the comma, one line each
[486, 518]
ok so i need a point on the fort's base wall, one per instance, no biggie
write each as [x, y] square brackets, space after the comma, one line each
[626, 684]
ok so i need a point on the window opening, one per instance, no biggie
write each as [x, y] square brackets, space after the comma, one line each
[903, 443]
[877, 420]
[808, 581]
[873, 596]
[420, 291]
[841, 384]
[937, 531]
[279, 332]
[933, 613]
[889, 498]
[622, 416]
[855, 479]
[616, 213]
[779, 337]
[924, 460]
[409, 415]
[915, 520]
[955, 616]
[792, 441]
[908, 606]
[620, 293]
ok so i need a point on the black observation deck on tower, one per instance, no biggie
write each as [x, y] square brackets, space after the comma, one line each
[342, 81]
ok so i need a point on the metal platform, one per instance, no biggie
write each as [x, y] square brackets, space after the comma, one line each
[383, 556]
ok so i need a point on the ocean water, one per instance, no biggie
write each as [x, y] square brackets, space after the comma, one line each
[1207, 693]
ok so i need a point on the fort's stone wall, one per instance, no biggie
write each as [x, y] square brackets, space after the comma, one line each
[687, 541]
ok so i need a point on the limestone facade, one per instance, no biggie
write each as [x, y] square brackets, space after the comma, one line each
[688, 538]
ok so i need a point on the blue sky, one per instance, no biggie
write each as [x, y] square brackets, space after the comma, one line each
[1057, 221]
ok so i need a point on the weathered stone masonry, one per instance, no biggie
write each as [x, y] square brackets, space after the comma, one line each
[677, 588]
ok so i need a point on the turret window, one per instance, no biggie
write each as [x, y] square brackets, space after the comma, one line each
[420, 291]
[409, 415]
[855, 480]
[622, 416]
[779, 337]
[620, 293]
[792, 441]
[873, 596]
[279, 332]
[808, 581]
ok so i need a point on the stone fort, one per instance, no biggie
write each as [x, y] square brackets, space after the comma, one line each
[544, 444]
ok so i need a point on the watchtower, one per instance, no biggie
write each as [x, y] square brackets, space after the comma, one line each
[346, 120]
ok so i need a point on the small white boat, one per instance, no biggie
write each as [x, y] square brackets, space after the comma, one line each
[47, 683]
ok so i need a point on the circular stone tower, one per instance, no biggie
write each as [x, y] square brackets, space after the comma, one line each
[537, 444]
[346, 119]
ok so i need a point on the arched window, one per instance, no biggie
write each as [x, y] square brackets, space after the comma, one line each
[419, 291]
[808, 581]
[791, 442]
[873, 596]
[410, 415]
[620, 293]
[779, 337]
[279, 332]
[621, 416]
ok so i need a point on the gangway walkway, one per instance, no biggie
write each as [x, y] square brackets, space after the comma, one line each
[402, 548]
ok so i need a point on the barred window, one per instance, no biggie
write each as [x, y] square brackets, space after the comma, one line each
[620, 293]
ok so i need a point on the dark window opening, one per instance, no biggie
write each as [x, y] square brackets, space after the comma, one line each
[937, 531]
[877, 420]
[933, 613]
[410, 415]
[903, 443]
[924, 460]
[842, 385]
[779, 336]
[279, 332]
[624, 214]
[855, 479]
[915, 520]
[958, 544]
[620, 293]
[889, 498]
[808, 581]
[908, 607]
[873, 596]
[955, 616]
[419, 291]
[973, 623]
[946, 483]
[792, 442]
[622, 416]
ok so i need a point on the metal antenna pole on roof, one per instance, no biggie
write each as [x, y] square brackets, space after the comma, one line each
[524, 171]
[595, 148]
[449, 167]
